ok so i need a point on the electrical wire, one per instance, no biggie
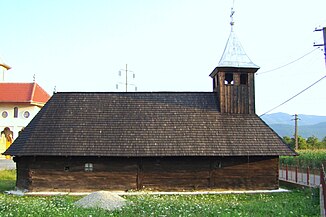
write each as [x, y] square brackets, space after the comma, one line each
[259, 73]
[293, 96]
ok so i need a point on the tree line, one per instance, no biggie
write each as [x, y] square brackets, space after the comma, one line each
[311, 142]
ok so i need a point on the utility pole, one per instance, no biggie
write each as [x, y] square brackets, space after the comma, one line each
[126, 77]
[296, 131]
[320, 45]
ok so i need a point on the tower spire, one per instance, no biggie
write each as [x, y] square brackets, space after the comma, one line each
[234, 54]
[233, 78]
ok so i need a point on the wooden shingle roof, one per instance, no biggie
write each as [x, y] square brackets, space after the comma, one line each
[144, 124]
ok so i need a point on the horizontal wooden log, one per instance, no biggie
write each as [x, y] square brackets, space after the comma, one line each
[155, 173]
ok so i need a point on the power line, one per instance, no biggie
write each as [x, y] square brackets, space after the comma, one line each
[294, 96]
[259, 73]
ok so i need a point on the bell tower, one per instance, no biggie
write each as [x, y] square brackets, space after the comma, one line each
[233, 78]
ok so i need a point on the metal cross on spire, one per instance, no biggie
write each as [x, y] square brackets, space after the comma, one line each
[231, 16]
[234, 54]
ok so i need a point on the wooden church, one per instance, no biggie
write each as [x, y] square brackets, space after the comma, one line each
[87, 141]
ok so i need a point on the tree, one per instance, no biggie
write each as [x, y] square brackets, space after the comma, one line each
[323, 143]
[313, 142]
[324, 140]
[290, 142]
[302, 143]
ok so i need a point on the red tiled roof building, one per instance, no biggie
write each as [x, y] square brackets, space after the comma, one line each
[19, 103]
[23, 93]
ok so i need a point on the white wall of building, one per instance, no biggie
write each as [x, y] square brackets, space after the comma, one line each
[16, 123]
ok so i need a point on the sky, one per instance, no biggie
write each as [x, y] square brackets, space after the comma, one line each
[81, 45]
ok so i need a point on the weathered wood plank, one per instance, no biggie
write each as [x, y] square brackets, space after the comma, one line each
[169, 173]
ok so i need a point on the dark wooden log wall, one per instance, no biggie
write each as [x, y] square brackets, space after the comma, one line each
[50, 173]
[236, 97]
[175, 173]
[246, 173]
[161, 173]
[23, 176]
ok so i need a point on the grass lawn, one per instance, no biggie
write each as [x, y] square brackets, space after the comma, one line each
[7, 180]
[296, 203]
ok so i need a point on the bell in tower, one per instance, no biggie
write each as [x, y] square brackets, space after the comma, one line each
[233, 78]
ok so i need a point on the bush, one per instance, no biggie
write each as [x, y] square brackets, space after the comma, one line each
[306, 158]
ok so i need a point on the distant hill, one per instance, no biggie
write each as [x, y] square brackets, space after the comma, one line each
[309, 125]
[283, 118]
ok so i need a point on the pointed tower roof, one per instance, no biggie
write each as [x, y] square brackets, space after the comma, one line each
[234, 54]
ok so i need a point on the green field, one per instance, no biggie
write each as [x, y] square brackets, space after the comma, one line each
[7, 180]
[296, 203]
[311, 158]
